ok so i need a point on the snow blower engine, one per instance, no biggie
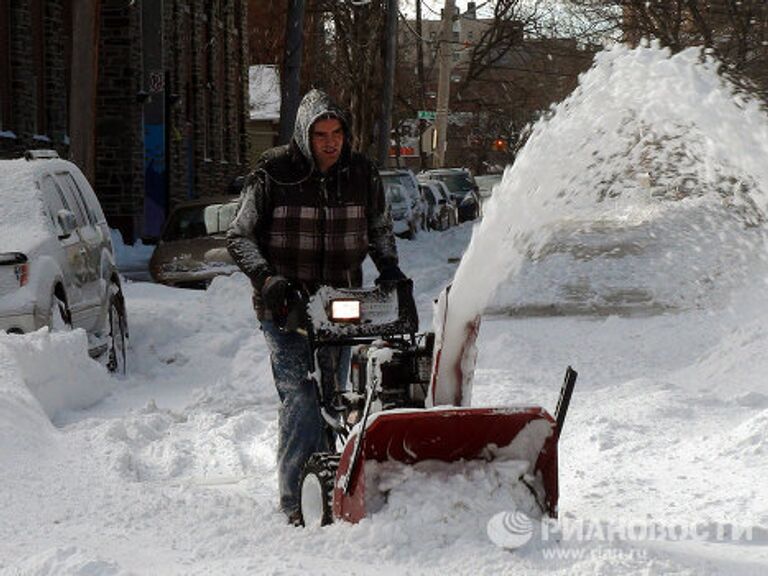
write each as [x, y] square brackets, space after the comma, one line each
[390, 412]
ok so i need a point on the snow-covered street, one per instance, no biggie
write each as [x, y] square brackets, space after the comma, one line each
[664, 455]
[172, 472]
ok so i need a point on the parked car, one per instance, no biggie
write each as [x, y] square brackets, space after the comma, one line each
[441, 212]
[486, 184]
[454, 212]
[192, 250]
[462, 187]
[408, 181]
[57, 263]
[399, 202]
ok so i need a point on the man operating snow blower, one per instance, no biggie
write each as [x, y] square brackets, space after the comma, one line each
[310, 213]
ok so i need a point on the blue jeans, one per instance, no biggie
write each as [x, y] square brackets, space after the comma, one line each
[301, 431]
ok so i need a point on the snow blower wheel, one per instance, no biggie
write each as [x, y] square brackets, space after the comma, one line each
[317, 489]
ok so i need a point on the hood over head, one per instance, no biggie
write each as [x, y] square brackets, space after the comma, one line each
[316, 105]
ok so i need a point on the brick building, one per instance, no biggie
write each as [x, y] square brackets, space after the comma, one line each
[34, 72]
[170, 98]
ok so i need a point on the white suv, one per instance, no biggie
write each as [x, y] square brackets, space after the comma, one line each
[57, 266]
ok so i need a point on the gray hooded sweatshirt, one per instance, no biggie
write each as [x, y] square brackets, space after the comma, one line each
[310, 227]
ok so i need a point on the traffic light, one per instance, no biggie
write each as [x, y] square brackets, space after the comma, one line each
[499, 145]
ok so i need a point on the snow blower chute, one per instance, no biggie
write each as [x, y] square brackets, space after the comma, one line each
[399, 408]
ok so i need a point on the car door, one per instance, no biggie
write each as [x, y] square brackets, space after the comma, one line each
[91, 244]
[453, 211]
[73, 264]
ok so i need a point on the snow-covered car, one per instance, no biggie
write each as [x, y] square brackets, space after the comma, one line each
[462, 187]
[486, 184]
[399, 203]
[57, 264]
[408, 181]
[441, 211]
[192, 250]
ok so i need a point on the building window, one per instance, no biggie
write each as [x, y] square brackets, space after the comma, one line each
[6, 77]
[38, 64]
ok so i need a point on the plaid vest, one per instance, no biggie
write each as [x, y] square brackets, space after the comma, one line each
[317, 233]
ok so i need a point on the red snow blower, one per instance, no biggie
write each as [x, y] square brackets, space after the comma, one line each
[389, 413]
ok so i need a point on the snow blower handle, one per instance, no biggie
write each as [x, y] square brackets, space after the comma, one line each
[565, 399]
[346, 480]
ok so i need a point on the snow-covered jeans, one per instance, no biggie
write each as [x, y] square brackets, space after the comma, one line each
[301, 432]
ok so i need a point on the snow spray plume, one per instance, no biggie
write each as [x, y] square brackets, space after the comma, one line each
[645, 134]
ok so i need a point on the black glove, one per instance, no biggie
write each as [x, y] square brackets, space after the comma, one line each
[389, 277]
[273, 295]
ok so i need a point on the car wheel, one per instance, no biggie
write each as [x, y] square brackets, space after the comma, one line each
[117, 337]
[59, 317]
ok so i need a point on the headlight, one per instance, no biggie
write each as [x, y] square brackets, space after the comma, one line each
[345, 310]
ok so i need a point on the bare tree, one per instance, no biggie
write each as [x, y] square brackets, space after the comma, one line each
[512, 66]
[352, 69]
[265, 39]
[736, 31]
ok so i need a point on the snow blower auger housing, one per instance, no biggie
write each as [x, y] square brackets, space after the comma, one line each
[383, 417]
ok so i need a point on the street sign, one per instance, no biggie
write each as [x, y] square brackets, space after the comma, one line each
[426, 115]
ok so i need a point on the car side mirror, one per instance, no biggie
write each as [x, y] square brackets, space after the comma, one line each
[67, 222]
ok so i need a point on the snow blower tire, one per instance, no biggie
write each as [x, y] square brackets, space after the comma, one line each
[317, 482]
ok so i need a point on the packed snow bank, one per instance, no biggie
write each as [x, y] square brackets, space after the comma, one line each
[57, 370]
[24, 425]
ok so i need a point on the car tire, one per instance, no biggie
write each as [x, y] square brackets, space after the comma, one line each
[59, 316]
[117, 335]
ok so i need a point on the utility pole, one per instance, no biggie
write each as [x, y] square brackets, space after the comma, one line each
[444, 83]
[389, 83]
[291, 84]
[422, 84]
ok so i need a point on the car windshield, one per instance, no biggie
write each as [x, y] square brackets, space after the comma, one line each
[459, 183]
[401, 179]
[395, 194]
[198, 221]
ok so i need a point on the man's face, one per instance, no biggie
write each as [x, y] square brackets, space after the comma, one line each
[327, 140]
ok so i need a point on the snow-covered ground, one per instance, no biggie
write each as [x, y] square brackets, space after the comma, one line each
[664, 454]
